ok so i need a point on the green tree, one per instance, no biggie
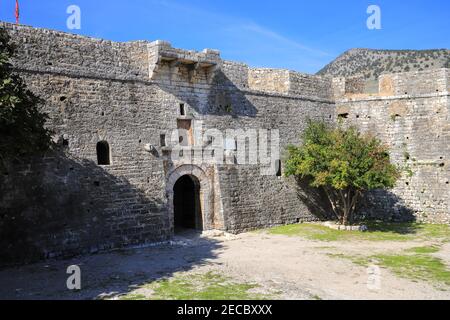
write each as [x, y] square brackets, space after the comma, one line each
[22, 131]
[344, 163]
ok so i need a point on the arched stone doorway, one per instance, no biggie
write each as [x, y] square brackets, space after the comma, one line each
[189, 185]
[186, 204]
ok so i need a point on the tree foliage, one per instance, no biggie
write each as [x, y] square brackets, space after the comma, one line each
[344, 163]
[22, 131]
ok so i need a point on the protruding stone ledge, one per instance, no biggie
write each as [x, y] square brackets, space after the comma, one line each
[162, 52]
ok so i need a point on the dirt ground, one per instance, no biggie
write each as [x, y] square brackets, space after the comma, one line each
[294, 267]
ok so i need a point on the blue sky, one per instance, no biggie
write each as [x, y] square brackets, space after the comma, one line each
[299, 35]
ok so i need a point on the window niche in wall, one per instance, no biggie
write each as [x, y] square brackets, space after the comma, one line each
[278, 168]
[182, 109]
[162, 140]
[103, 153]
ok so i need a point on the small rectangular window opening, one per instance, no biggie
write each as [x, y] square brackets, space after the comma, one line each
[182, 109]
[278, 168]
[162, 139]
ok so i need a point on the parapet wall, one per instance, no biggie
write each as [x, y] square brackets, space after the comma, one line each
[290, 83]
[237, 74]
[414, 83]
[396, 84]
[43, 50]
[270, 80]
[63, 53]
[53, 51]
[310, 86]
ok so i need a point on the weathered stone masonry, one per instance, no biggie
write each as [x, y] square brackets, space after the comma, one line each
[130, 95]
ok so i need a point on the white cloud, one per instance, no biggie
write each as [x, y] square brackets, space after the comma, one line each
[270, 34]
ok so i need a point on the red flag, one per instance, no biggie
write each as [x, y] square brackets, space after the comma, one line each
[17, 11]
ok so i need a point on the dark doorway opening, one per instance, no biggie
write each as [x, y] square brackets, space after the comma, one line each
[186, 202]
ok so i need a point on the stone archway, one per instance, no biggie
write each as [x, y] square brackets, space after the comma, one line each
[202, 190]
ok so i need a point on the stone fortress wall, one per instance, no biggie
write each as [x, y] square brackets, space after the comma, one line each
[131, 94]
[410, 112]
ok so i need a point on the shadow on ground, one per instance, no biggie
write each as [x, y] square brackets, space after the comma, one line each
[109, 274]
[402, 228]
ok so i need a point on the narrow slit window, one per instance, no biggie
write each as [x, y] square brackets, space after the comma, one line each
[103, 153]
[162, 140]
[182, 109]
[278, 168]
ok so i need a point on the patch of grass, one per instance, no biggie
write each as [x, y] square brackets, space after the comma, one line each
[208, 286]
[424, 250]
[377, 232]
[415, 263]
[436, 231]
[133, 297]
[416, 266]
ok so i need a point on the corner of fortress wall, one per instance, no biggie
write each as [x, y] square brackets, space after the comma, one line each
[129, 94]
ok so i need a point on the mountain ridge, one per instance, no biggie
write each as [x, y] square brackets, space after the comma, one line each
[371, 63]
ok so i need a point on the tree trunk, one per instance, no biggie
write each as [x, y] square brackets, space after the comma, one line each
[343, 203]
[332, 201]
[354, 200]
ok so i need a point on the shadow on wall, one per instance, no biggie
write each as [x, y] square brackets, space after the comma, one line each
[223, 98]
[314, 199]
[60, 207]
[376, 205]
[385, 205]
